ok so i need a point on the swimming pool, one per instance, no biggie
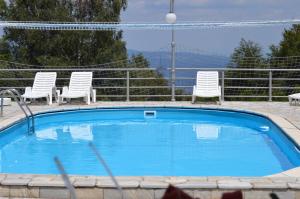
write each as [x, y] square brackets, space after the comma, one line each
[149, 142]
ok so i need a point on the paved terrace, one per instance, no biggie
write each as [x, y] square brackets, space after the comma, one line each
[283, 109]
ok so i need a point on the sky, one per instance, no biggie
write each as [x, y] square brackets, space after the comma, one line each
[216, 41]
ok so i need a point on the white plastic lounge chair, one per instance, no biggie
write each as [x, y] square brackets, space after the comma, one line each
[294, 98]
[43, 86]
[80, 86]
[207, 85]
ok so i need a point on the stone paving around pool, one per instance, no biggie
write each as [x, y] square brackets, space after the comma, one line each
[90, 187]
[286, 185]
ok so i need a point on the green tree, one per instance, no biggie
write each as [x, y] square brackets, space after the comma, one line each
[290, 44]
[5, 53]
[42, 47]
[153, 80]
[247, 55]
[59, 48]
[286, 55]
[3, 9]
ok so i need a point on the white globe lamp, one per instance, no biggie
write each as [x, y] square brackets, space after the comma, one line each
[171, 18]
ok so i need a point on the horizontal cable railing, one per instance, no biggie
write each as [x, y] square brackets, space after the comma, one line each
[94, 26]
[155, 84]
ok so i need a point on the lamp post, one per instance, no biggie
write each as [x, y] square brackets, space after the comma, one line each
[171, 19]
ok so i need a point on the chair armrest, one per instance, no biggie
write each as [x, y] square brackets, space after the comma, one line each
[28, 90]
[94, 95]
[65, 90]
[53, 90]
[194, 89]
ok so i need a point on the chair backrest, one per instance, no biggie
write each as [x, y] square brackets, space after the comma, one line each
[44, 82]
[207, 80]
[80, 81]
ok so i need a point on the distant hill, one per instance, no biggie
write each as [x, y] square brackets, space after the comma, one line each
[183, 59]
[162, 61]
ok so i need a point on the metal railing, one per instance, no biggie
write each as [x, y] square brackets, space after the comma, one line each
[261, 79]
[17, 97]
[145, 83]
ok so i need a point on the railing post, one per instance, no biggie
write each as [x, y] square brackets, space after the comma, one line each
[127, 86]
[223, 86]
[173, 85]
[173, 69]
[2, 105]
[270, 86]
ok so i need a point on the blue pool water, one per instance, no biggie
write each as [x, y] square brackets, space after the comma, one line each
[160, 142]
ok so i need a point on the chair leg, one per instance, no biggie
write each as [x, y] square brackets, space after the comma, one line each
[56, 95]
[88, 99]
[193, 99]
[60, 100]
[50, 100]
[27, 102]
[94, 96]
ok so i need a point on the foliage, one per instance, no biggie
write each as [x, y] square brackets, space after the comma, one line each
[290, 44]
[245, 50]
[247, 55]
[153, 79]
[43, 47]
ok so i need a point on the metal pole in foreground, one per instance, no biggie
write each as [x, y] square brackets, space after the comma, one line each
[102, 161]
[65, 178]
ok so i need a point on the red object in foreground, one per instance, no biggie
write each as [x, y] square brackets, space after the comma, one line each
[234, 195]
[175, 193]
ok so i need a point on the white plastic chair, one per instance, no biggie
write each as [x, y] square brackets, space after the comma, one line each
[43, 86]
[207, 85]
[80, 86]
[294, 98]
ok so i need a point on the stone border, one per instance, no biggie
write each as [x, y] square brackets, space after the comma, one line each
[285, 184]
[52, 186]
